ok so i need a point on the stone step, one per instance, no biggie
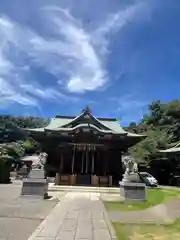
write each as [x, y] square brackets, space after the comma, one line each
[53, 187]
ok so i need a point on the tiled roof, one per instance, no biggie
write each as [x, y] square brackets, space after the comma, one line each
[106, 125]
[59, 123]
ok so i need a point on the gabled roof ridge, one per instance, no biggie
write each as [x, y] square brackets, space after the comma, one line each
[107, 119]
[64, 116]
[84, 124]
[73, 117]
[84, 113]
[96, 119]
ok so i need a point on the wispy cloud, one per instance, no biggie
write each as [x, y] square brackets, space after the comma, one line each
[115, 22]
[8, 89]
[15, 84]
[75, 56]
[129, 107]
[73, 49]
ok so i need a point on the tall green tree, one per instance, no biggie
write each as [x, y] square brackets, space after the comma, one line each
[162, 127]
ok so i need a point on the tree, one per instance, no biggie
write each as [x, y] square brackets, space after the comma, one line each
[156, 109]
[31, 146]
[11, 131]
[5, 167]
[147, 149]
[162, 127]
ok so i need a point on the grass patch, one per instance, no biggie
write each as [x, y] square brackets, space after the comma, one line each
[154, 197]
[148, 231]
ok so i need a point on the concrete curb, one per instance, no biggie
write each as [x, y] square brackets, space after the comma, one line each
[108, 222]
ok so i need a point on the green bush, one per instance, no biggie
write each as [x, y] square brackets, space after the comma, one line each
[5, 168]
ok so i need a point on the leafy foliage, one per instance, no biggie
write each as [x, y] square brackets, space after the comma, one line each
[162, 128]
[13, 141]
[10, 127]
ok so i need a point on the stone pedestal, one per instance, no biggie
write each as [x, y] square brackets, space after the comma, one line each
[132, 177]
[22, 173]
[35, 185]
[94, 180]
[57, 179]
[110, 181]
[72, 179]
[133, 191]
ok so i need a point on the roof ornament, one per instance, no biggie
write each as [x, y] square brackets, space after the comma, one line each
[87, 110]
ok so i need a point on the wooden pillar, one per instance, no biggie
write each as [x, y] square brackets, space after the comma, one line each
[57, 178]
[82, 163]
[110, 181]
[92, 166]
[105, 164]
[62, 163]
[97, 165]
[86, 161]
[73, 158]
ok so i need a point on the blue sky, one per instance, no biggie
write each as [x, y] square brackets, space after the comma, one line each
[115, 56]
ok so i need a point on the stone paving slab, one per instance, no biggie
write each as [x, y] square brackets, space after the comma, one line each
[19, 217]
[17, 228]
[69, 235]
[77, 216]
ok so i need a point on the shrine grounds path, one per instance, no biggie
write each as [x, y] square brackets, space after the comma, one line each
[70, 215]
[67, 215]
[19, 217]
[78, 216]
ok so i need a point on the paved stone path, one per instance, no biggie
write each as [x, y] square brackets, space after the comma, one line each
[161, 213]
[19, 217]
[78, 216]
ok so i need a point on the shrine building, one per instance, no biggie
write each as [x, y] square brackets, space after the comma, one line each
[84, 150]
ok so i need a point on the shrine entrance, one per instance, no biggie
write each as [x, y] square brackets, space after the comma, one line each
[84, 158]
[84, 164]
[83, 180]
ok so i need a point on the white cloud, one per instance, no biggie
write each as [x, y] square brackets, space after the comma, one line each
[77, 57]
[5, 65]
[8, 94]
[77, 50]
[115, 23]
[130, 107]
[37, 91]
[67, 50]
[15, 85]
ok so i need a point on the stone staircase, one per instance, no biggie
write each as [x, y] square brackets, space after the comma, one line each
[52, 187]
